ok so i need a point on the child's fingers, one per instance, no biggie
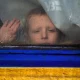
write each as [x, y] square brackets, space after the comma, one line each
[14, 28]
[11, 23]
[14, 25]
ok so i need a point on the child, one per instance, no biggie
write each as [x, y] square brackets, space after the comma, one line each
[40, 29]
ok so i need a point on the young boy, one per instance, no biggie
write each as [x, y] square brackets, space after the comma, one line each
[40, 29]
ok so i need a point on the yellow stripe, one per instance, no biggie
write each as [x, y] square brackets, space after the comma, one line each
[39, 73]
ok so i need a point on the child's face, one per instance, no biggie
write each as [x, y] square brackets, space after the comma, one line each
[42, 30]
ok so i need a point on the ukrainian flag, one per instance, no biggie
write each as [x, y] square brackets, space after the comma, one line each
[39, 63]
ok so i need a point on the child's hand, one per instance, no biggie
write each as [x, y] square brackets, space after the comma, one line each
[8, 31]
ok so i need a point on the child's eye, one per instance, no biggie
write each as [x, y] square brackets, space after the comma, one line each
[36, 31]
[52, 30]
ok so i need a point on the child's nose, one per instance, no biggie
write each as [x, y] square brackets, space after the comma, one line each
[44, 34]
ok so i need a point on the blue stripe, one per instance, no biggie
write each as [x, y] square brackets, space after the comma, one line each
[39, 58]
[40, 63]
[41, 51]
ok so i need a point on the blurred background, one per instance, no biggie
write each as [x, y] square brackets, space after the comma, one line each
[10, 9]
